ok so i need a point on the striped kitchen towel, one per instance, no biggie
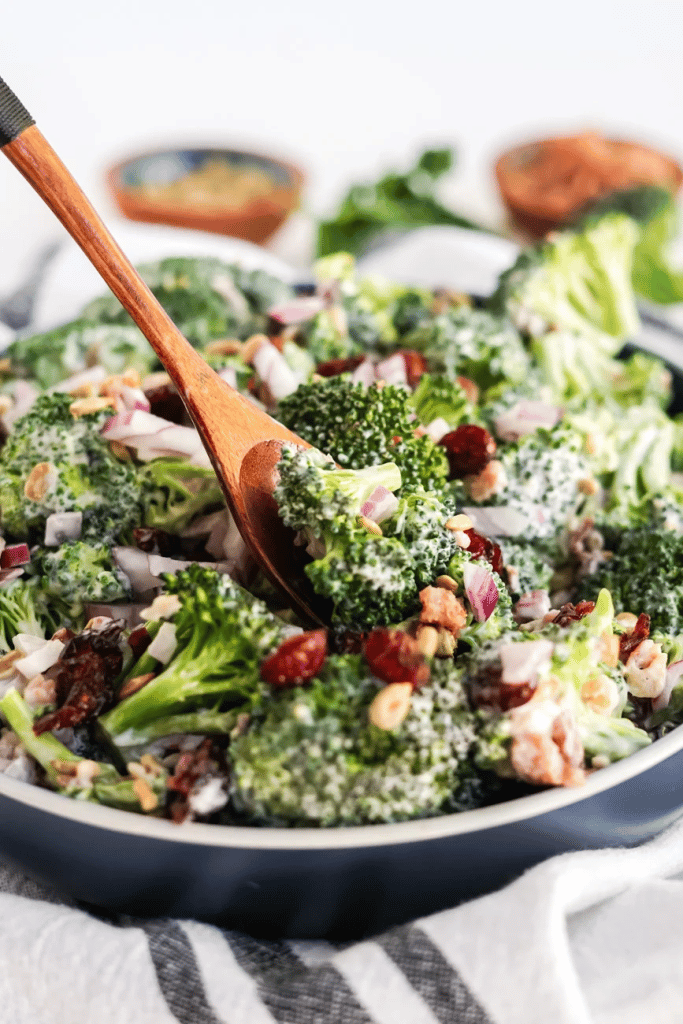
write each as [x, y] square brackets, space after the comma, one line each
[585, 938]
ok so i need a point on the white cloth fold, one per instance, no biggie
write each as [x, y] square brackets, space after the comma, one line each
[584, 938]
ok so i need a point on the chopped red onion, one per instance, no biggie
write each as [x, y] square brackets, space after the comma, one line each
[225, 286]
[177, 439]
[164, 643]
[134, 398]
[502, 520]
[8, 576]
[297, 311]
[24, 395]
[40, 660]
[153, 437]
[136, 423]
[27, 643]
[673, 674]
[522, 661]
[380, 505]
[14, 555]
[364, 374]
[437, 429]
[526, 417]
[533, 605]
[144, 570]
[135, 564]
[229, 375]
[93, 375]
[393, 370]
[481, 590]
[61, 526]
[275, 371]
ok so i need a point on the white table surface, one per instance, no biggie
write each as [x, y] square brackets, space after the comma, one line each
[345, 90]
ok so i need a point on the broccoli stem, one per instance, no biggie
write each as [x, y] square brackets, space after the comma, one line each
[204, 721]
[46, 749]
[108, 787]
[190, 676]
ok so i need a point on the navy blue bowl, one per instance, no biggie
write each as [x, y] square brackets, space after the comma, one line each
[335, 882]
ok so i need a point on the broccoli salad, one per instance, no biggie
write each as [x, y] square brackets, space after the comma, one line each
[490, 516]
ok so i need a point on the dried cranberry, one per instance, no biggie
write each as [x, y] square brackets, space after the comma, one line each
[394, 657]
[573, 613]
[483, 547]
[416, 366]
[297, 659]
[333, 367]
[84, 678]
[629, 641]
[469, 449]
[139, 640]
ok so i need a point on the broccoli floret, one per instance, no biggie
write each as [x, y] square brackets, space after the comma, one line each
[529, 564]
[205, 298]
[51, 357]
[104, 785]
[76, 574]
[644, 574]
[654, 209]
[578, 282]
[370, 579]
[79, 470]
[221, 634]
[437, 397]
[475, 632]
[20, 612]
[575, 667]
[315, 495]
[419, 525]
[366, 314]
[631, 456]
[362, 427]
[311, 757]
[174, 492]
[472, 343]
[327, 336]
[410, 310]
[642, 379]
[542, 474]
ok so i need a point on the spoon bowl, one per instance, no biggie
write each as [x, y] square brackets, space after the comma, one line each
[242, 441]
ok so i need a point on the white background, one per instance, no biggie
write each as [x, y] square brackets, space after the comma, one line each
[345, 90]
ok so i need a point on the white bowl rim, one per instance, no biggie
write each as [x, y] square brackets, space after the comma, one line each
[417, 830]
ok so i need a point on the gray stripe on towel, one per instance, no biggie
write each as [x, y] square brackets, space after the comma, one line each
[290, 990]
[14, 880]
[178, 972]
[430, 974]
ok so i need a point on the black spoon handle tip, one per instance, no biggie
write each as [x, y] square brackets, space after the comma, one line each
[14, 117]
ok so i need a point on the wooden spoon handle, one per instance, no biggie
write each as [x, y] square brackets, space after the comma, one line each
[228, 423]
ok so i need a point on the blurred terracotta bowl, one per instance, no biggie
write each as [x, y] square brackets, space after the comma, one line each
[229, 192]
[547, 182]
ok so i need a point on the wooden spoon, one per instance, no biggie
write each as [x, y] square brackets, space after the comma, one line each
[243, 442]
